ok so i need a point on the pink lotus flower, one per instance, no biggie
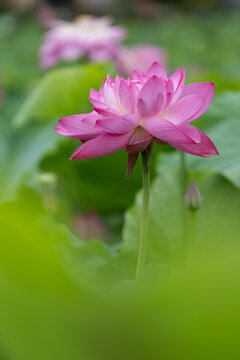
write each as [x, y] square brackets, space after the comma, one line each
[92, 37]
[139, 58]
[136, 112]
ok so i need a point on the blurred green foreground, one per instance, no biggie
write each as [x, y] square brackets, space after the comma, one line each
[63, 299]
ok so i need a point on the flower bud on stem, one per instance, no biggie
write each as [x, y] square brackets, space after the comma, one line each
[193, 199]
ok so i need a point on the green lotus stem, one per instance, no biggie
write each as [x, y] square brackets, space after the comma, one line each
[183, 172]
[192, 238]
[144, 221]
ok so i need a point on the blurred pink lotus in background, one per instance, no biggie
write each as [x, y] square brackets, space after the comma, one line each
[46, 15]
[89, 226]
[139, 57]
[136, 112]
[87, 36]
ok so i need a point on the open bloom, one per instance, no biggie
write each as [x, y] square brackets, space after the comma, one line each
[92, 37]
[139, 57]
[136, 112]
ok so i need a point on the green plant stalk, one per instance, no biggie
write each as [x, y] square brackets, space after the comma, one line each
[144, 221]
[183, 182]
[192, 239]
[183, 173]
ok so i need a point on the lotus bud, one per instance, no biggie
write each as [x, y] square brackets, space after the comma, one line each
[193, 199]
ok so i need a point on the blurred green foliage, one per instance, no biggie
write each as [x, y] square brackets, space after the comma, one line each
[63, 298]
[20, 40]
